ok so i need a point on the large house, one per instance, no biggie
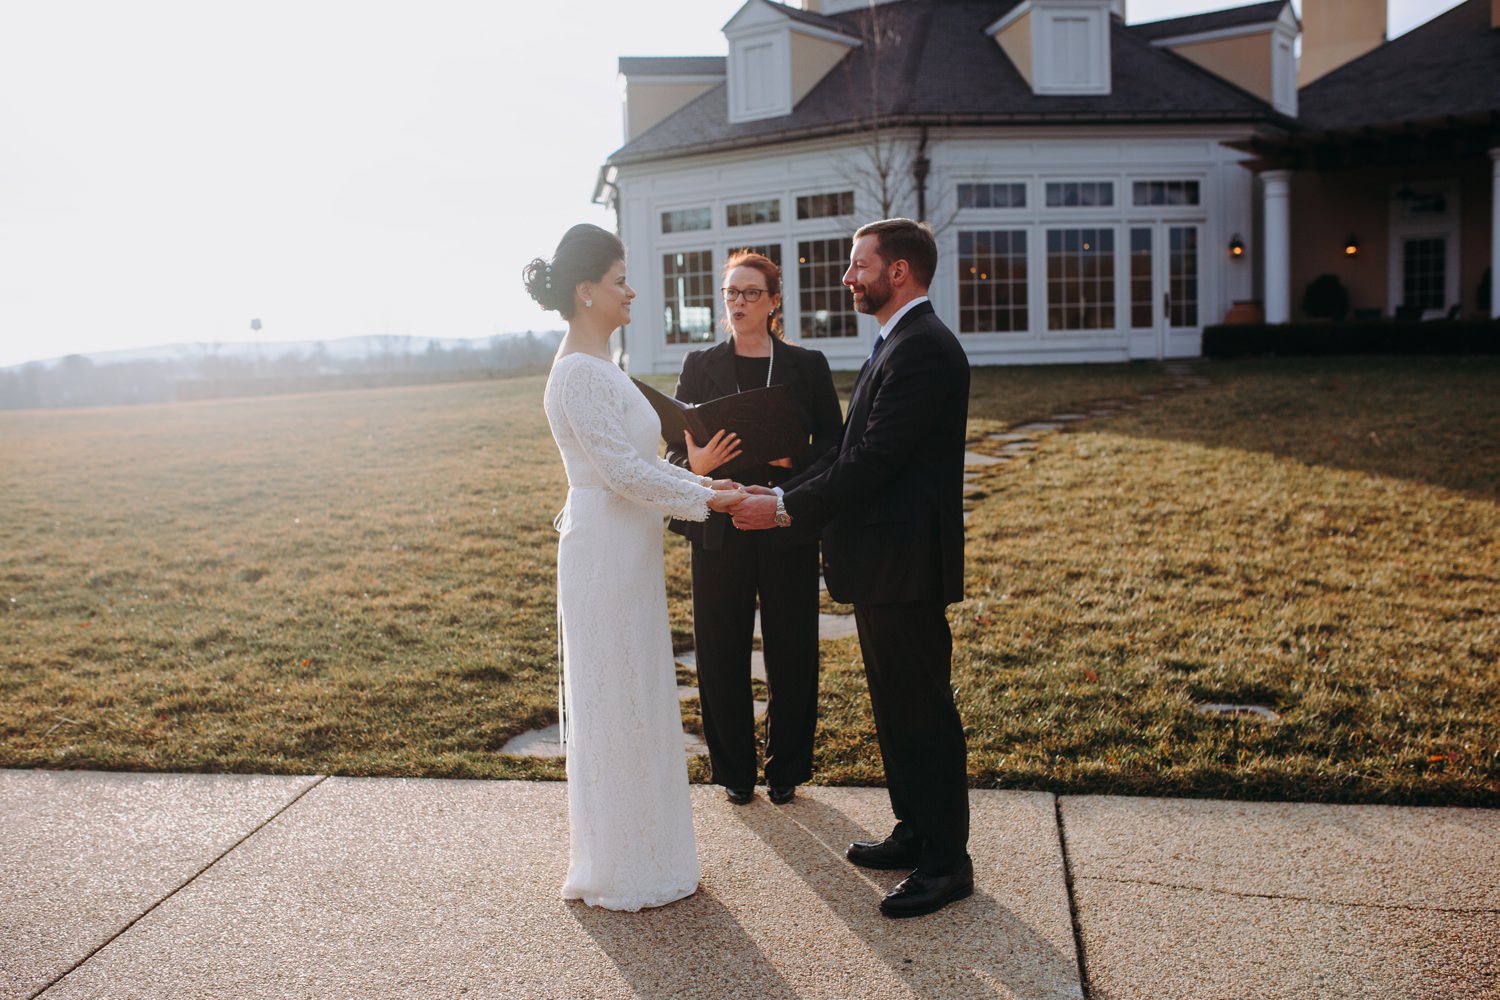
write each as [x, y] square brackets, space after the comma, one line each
[1100, 190]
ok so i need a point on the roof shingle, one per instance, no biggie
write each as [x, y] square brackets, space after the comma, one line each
[1446, 68]
[945, 69]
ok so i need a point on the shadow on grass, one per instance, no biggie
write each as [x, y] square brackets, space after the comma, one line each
[1429, 420]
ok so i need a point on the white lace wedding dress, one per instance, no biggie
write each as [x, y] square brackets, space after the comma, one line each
[630, 824]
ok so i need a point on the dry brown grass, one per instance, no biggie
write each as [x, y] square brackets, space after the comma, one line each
[361, 583]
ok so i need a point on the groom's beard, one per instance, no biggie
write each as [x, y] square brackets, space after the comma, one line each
[870, 299]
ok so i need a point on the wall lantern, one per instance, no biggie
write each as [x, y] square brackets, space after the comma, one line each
[1351, 244]
[1236, 246]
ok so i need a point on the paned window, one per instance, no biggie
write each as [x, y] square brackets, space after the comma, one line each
[992, 281]
[687, 220]
[825, 206]
[1424, 273]
[826, 307]
[689, 287]
[771, 250]
[1080, 279]
[1141, 313]
[1182, 275]
[1164, 193]
[753, 213]
[1080, 194]
[992, 196]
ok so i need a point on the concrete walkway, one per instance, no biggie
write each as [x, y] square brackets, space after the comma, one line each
[160, 885]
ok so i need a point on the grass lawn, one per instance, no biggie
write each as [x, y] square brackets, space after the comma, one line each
[361, 583]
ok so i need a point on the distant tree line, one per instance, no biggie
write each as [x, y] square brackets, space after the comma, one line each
[215, 372]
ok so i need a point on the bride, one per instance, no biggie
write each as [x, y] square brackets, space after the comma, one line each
[630, 825]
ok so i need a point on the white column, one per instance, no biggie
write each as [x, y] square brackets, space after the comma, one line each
[1495, 233]
[1277, 244]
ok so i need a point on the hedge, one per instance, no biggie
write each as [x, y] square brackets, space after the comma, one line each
[1388, 337]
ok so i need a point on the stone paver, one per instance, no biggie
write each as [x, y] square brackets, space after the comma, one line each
[1281, 900]
[82, 854]
[974, 458]
[385, 887]
[836, 627]
[547, 742]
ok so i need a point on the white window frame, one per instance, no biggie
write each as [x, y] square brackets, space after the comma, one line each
[1047, 38]
[1446, 227]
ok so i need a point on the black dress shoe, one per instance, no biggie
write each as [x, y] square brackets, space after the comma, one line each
[782, 794]
[919, 893]
[883, 854]
[739, 796]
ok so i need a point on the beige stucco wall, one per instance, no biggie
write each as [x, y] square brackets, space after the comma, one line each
[1244, 60]
[1016, 41]
[1476, 189]
[812, 58]
[646, 104]
[1327, 207]
[1336, 33]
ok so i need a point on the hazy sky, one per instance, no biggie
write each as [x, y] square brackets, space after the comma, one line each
[171, 169]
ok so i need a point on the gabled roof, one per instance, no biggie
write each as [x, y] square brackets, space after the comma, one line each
[816, 20]
[947, 70]
[672, 65]
[1219, 20]
[1446, 68]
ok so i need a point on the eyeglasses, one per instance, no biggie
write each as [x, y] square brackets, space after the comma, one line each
[748, 294]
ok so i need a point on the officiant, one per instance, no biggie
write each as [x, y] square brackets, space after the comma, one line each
[734, 569]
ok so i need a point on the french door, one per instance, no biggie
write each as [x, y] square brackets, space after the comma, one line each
[1165, 288]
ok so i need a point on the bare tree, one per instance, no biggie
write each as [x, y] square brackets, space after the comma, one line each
[889, 163]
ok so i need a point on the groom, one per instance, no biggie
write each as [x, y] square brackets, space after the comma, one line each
[890, 499]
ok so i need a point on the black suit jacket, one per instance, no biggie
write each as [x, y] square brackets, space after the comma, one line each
[709, 374]
[891, 495]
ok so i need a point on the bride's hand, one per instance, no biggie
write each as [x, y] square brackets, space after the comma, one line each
[723, 500]
[725, 484]
[722, 447]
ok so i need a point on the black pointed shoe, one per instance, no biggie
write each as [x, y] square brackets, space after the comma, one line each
[885, 855]
[781, 794]
[920, 893]
[739, 796]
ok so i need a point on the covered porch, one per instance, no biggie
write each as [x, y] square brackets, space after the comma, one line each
[1406, 217]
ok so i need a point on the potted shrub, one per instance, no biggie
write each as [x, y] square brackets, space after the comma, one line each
[1326, 298]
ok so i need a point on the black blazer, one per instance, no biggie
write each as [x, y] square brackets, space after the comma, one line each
[891, 495]
[709, 374]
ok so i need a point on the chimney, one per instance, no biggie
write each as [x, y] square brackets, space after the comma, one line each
[1335, 32]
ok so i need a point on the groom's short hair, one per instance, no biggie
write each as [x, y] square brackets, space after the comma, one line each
[903, 239]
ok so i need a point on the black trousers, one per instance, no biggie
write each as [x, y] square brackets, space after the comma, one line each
[908, 654]
[726, 583]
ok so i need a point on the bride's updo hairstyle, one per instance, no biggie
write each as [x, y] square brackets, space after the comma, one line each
[585, 253]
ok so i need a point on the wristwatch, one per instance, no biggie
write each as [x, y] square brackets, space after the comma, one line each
[783, 519]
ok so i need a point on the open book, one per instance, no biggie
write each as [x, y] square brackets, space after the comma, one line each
[765, 419]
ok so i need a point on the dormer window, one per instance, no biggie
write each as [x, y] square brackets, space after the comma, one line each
[760, 78]
[775, 58]
[1071, 42]
[1258, 55]
[1061, 47]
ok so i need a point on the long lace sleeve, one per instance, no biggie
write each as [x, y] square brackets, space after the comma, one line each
[595, 408]
[681, 472]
